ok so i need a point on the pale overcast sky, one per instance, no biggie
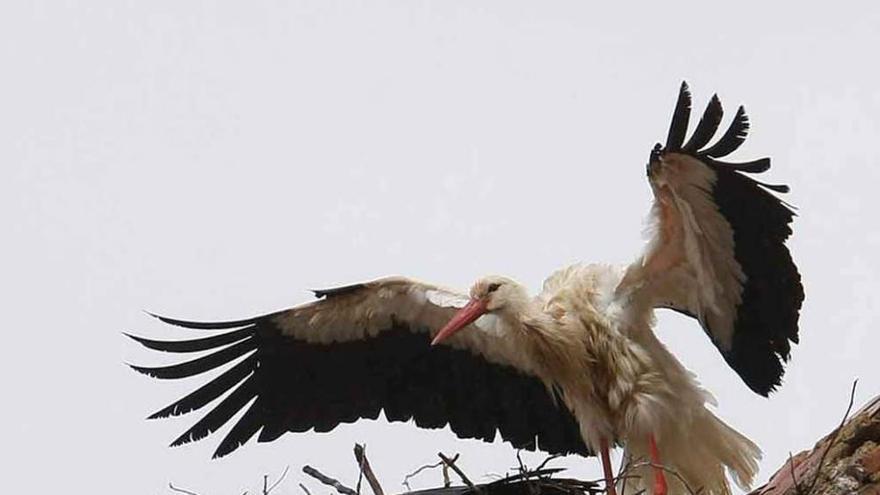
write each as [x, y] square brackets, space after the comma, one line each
[212, 161]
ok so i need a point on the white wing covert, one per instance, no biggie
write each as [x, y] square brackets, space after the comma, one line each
[717, 250]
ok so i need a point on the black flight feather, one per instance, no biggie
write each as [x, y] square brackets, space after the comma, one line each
[337, 291]
[245, 428]
[679, 125]
[732, 138]
[753, 167]
[780, 188]
[218, 416]
[766, 318]
[199, 365]
[299, 386]
[204, 325]
[194, 345]
[707, 127]
[209, 391]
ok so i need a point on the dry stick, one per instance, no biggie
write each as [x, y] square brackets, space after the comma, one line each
[522, 467]
[360, 462]
[422, 468]
[797, 486]
[852, 398]
[442, 464]
[279, 480]
[534, 480]
[528, 475]
[624, 466]
[360, 453]
[181, 490]
[627, 464]
[314, 473]
[548, 459]
[451, 463]
[670, 471]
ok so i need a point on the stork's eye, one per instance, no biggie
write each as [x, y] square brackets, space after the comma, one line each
[493, 287]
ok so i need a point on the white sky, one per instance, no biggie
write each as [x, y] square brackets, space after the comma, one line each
[211, 162]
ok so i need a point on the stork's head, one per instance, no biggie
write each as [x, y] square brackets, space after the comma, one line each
[492, 294]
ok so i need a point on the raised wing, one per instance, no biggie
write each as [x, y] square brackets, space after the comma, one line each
[360, 350]
[717, 251]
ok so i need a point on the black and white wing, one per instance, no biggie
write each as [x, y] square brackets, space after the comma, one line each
[360, 350]
[717, 252]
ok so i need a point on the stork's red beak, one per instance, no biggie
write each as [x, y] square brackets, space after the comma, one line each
[465, 316]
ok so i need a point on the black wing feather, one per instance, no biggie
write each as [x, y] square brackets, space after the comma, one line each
[680, 117]
[299, 386]
[337, 291]
[767, 316]
[218, 416]
[707, 127]
[732, 138]
[753, 167]
[193, 345]
[205, 325]
[245, 428]
[200, 397]
[199, 365]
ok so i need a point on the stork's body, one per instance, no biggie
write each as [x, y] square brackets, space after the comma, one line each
[599, 352]
[572, 370]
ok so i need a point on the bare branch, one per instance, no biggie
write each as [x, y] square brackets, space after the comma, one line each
[442, 464]
[672, 472]
[314, 473]
[360, 453]
[797, 486]
[852, 397]
[624, 465]
[360, 462]
[451, 463]
[522, 466]
[548, 459]
[181, 490]
[304, 489]
[624, 473]
[277, 482]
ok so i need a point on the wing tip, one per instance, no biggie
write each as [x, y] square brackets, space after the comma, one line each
[137, 338]
[205, 325]
[735, 135]
[225, 448]
[187, 437]
[684, 88]
[144, 370]
[680, 116]
[337, 291]
[160, 414]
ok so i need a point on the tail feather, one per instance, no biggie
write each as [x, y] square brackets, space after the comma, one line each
[695, 456]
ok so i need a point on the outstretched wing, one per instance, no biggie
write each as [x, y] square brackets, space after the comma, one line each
[360, 350]
[717, 252]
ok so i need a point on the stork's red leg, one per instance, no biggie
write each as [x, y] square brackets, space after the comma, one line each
[659, 475]
[606, 467]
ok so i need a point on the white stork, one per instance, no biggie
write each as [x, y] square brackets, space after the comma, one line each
[574, 369]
